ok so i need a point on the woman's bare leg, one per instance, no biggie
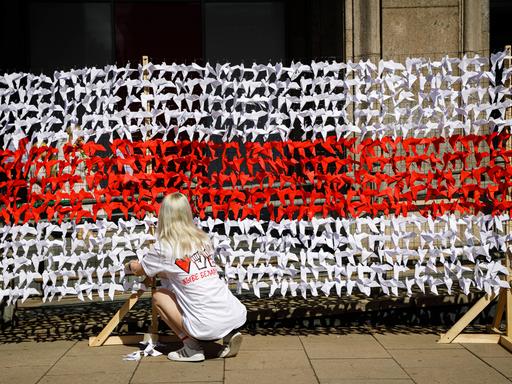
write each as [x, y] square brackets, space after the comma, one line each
[169, 311]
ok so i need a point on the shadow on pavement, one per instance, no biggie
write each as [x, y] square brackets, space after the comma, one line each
[269, 316]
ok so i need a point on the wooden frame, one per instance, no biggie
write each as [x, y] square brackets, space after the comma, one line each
[495, 336]
[104, 337]
[453, 335]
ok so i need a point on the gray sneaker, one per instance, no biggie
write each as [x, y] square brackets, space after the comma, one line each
[186, 354]
[232, 344]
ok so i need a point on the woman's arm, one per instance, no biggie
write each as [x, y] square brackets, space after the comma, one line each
[134, 267]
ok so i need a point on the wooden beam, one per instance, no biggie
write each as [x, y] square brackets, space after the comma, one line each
[135, 339]
[115, 320]
[154, 311]
[118, 316]
[468, 317]
[509, 313]
[500, 308]
[506, 342]
[476, 338]
[149, 168]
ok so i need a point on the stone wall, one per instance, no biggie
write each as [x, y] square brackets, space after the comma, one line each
[396, 29]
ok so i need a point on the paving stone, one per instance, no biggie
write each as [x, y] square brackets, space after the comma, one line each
[347, 369]
[271, 343]
[258, 376]
[23, 354]
[352, 358]
[342, 346]
[412, 341]
[35, 346]
[82, 349]
[175, 372]
[80, 365]
[366, 381]
[267, 360]
[488, 350]
[93, 378]
[435, 358]
[456, 375]
[22, 375]
[502, 364]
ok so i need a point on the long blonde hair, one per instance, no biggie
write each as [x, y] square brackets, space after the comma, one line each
[176, 226]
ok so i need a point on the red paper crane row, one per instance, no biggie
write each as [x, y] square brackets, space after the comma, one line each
[269, 180]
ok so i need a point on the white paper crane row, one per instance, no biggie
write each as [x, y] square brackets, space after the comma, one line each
[322, 256]
[418, 98]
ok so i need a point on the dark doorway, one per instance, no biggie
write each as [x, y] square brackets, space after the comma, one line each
[500, 14]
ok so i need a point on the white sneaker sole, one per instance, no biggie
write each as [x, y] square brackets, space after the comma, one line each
[191, 359]
[233, 347]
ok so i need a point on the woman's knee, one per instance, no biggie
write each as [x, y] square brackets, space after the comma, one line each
[161, 296]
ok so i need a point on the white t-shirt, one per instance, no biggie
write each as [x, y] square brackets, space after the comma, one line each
[210, 310]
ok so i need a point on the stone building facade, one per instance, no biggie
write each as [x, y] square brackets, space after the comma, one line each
[395, 29]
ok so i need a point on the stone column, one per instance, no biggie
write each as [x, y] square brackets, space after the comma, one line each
[476, 27]
[348, 31]
[362, 29]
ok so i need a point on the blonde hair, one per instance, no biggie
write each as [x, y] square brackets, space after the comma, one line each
[176, 226]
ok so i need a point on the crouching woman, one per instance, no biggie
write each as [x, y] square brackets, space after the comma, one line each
[193, 301]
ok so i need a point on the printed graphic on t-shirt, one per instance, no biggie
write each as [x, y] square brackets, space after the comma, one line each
[183, 264]
[198, 266]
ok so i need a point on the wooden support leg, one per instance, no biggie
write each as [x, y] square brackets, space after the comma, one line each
[506, 341]
[509, 313]
[119, 315]
[115, 320]
[500, 308]
[473, 312]
[154, 312]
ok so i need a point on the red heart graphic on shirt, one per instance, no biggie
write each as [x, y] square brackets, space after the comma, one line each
[184, 264]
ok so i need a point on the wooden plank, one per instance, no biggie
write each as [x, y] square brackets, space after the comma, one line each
[135, 339]
[506, 342]
[149, 169]
[119, 340]
[502, 300]
[154, 319]
[154, 311]
[509, 313]
[115, 320]
[477, 338]
[508, 305]
[508, 294]
[464, 321]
